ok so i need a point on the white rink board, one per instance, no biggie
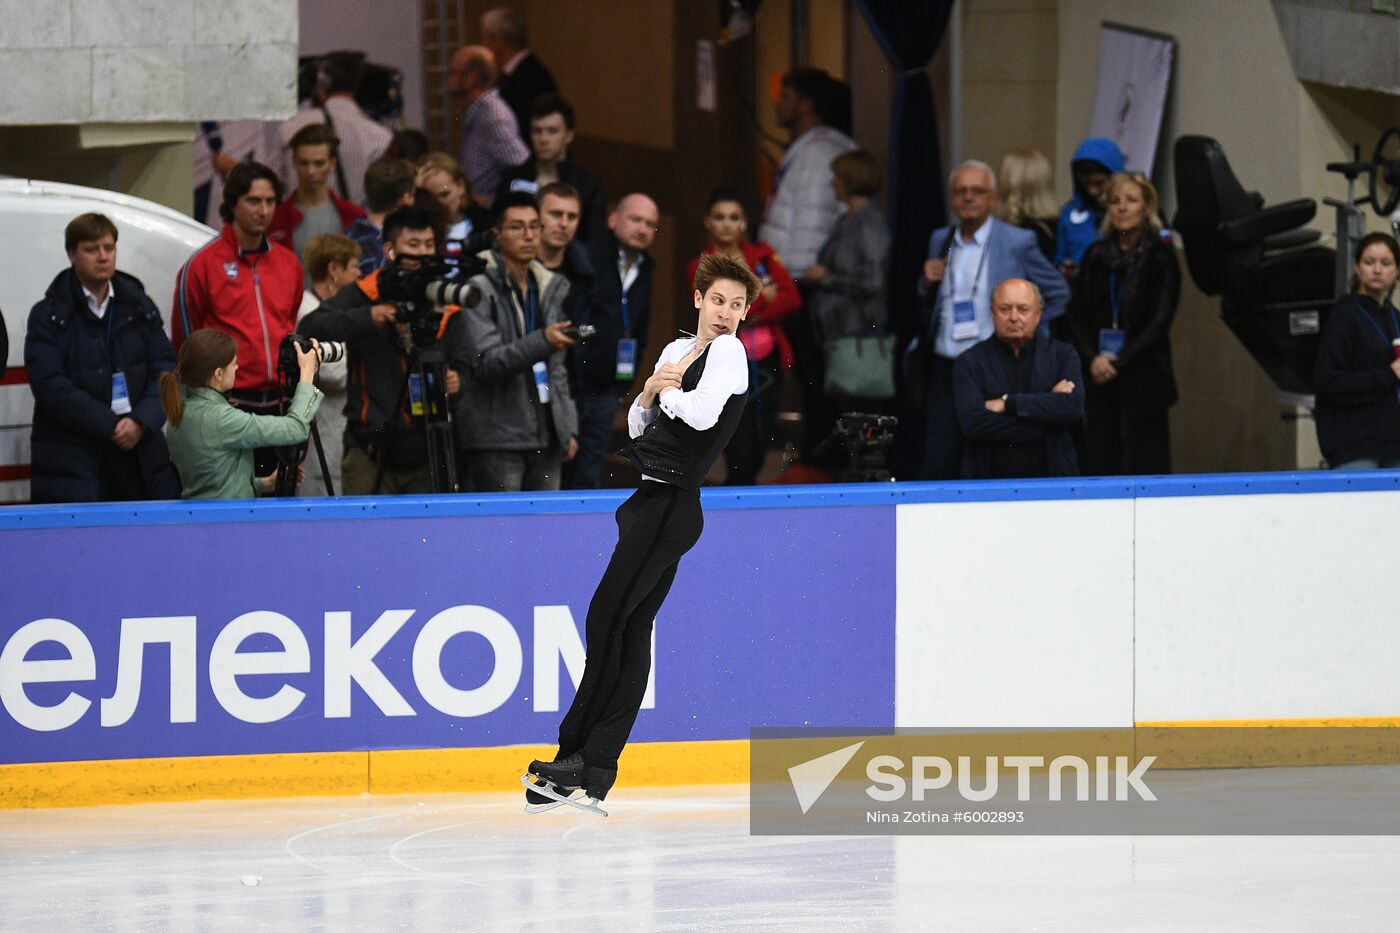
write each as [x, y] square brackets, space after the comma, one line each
[1015, 614]
[1268, 606]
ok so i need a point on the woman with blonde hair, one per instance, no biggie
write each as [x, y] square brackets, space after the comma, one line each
[443, 178]
[1124, 301]
[212, 442]
[1024, 184]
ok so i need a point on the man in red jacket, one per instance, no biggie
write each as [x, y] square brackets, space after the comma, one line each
[246, 286]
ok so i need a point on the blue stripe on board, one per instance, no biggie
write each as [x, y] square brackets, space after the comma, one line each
[757, 497]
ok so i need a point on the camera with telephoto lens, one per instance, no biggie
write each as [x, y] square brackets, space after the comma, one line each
[327, 351]
[421, 291]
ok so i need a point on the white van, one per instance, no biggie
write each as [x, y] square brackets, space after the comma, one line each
[153, 242]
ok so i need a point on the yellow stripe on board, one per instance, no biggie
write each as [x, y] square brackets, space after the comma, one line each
[657, 764]
[153, 780]
[427, 770]
[1374, 722]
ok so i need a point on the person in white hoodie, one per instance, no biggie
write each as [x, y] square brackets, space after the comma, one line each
[804, 208]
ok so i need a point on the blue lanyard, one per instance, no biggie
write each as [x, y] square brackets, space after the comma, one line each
[1393, 323]
[981, 262]
[626, 324]
[1114, 298]
[531, 301]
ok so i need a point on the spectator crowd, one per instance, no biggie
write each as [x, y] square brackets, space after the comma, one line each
[1042, 347]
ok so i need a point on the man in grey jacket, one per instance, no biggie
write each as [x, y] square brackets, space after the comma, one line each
[516, 420]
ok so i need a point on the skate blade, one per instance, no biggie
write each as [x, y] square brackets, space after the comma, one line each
[585, 803]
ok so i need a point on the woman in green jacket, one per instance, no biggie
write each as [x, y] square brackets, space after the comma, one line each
[211, 442]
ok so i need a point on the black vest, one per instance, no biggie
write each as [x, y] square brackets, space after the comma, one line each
[671, 450]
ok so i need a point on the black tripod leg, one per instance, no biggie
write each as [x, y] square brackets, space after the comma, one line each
[321, 457]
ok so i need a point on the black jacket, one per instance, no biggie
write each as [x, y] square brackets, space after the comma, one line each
[70, 363]
[377, 372]
[592, 212]
[1148, 304]
[1358, 396]
[1038, 417]
[595, 364]
[519, 89]
[577, 269]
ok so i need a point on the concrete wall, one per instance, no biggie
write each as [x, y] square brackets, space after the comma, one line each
[70, 61]
[105, 93]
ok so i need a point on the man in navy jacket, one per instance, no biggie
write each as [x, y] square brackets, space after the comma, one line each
[95, 349]
[1015, 394]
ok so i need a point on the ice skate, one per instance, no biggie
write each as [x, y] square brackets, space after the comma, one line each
[557, 780]
[537, 802]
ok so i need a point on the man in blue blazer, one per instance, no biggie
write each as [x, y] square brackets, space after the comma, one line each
[966, 261]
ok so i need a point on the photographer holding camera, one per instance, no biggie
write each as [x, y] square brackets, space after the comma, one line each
[520, 425]
[383, 444]
[211, 441]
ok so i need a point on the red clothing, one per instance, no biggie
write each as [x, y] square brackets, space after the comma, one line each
[253, 297]
[288, 217]
[761, 333]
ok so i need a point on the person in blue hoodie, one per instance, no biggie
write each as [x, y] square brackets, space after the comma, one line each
[1095, 161]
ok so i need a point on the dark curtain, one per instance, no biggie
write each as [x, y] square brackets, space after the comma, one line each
[909, 34]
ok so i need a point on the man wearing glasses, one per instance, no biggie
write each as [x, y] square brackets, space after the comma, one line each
[967, 260]
[517, 422]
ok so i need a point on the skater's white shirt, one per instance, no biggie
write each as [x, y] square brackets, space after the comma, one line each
[726, 373]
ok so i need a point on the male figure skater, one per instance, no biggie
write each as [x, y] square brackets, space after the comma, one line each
[684, 417]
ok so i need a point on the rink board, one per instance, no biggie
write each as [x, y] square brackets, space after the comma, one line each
[1256, 598]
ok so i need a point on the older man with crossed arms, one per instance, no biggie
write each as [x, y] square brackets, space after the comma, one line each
[1015, 393]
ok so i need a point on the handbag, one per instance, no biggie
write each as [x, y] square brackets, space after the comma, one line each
[860, 367]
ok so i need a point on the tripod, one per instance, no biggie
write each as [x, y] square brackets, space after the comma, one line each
[289, 458]
[425, 388]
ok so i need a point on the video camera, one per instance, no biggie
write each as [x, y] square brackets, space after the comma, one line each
[421, 292]
[867, 439]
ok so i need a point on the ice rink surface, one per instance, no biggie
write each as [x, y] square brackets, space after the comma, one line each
[672, 859]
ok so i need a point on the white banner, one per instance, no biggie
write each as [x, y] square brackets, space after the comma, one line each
[1135, 72]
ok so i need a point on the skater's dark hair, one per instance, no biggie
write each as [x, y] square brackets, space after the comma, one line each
[714, 267]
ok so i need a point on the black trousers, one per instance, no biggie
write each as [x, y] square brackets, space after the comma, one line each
[1118, 445]
[656, 526]
[942, 453]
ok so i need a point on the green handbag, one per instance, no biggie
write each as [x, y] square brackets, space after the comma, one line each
[860, 367]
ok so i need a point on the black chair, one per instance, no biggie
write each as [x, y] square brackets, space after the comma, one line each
[1274, 280]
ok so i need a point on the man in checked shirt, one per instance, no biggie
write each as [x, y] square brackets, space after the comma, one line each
[490, 139]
